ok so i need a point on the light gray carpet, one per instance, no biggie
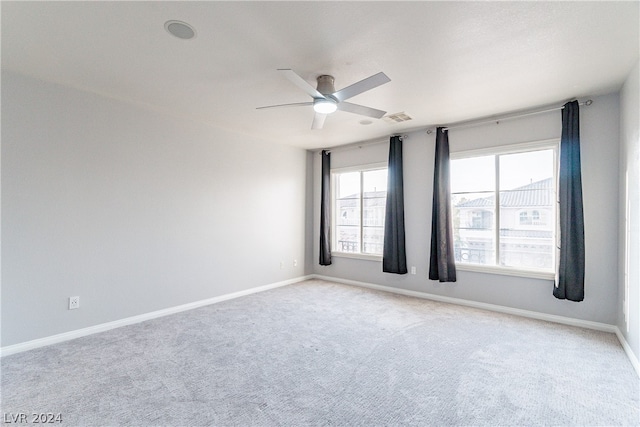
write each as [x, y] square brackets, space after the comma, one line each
[320, 353]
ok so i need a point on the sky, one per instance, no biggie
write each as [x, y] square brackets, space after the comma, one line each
[475, 174]
[375, 180]
[478, 173]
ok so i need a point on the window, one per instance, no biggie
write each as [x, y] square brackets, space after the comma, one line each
[504, 208]
[481, 219]
[360, 197]
[531, 218]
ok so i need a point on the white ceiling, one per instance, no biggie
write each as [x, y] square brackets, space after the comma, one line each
[448, 61]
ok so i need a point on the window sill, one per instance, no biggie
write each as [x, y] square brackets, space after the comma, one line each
[505, 271]
[365, 257]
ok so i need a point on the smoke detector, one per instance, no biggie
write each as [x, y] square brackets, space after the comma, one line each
[180, 29]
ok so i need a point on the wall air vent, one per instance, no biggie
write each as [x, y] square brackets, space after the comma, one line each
[397, 117]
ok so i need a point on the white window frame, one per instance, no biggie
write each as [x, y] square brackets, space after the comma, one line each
[553, 144]
[334, 192]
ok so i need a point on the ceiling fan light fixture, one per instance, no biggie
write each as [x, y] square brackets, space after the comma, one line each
[324, 106]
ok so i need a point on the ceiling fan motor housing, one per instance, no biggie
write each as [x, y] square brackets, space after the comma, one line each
[329, 103]
[325, 85]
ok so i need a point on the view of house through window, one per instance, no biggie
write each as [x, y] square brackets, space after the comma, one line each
[359, 206]
[503, 206]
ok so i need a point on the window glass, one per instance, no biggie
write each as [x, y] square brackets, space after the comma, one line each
[360, 211]
[473, 227]
[347, 206]
[374, 183]
[520, 233]
[473, 174]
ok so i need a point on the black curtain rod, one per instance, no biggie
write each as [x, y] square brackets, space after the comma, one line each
[462, 125]
[508, 117]
[361, 144]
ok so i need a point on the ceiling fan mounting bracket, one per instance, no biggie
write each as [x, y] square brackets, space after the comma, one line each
[325, 84]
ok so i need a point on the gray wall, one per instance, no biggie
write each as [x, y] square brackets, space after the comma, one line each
[600, 136]
[309, 240]
[630, 171]
[134, 211]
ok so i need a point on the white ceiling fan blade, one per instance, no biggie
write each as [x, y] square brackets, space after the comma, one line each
[295, 104]
[361, 86]
[301, 83]
[361, 109]
[318, 121]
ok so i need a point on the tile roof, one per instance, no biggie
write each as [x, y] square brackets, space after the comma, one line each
[539, 193]
[373, 199]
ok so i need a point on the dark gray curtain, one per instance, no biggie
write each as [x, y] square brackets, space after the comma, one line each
[394, 258]
[325, 210]
[442, 262]
[570, 275]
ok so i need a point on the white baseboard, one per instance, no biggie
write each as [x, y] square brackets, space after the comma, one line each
[627, 349]
[66, 336]
[498, 308]
[54, 339]
[475, 304]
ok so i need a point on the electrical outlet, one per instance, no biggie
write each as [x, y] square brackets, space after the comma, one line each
[74, 302]
[281, 265]
[295, 262]
[413, 270]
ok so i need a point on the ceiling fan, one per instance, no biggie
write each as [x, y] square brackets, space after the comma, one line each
[326, 99]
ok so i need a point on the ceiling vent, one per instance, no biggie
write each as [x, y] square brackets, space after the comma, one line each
[397, 117]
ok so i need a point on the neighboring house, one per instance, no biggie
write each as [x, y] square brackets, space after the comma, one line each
[348, 222]
[527, 217]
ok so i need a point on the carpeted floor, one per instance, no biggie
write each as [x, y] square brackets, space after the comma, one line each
[320, 353]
